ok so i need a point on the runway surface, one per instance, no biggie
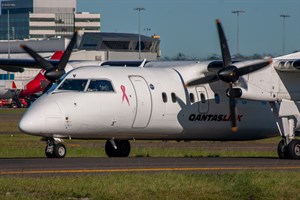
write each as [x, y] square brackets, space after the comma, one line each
[43, 166]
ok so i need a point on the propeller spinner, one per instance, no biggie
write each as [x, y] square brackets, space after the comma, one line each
[229, 74]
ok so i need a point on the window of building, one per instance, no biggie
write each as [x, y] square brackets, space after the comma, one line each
[73, 84]
[164, 97]
[100, 86]
[7, 76]
[174, 98]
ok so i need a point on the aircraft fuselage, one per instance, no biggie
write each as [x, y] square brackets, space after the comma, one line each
[144, 103]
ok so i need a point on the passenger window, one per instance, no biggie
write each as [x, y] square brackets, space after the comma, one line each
[217, 98]
[100, 86]
[192, 98]
[174, 98]
[202, 96]
[73, 84]
[164, 97]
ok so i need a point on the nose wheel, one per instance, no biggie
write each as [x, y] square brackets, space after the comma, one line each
[55, 150]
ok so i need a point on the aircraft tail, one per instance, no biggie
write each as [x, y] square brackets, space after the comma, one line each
[39, 83]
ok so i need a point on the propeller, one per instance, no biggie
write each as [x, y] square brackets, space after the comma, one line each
[230, 73]
[53, 73]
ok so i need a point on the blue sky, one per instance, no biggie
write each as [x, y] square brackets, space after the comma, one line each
[188, 26]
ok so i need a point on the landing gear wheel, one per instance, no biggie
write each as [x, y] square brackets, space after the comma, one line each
[123, 148]
[294, 149]
[49, 150]
[110, 150]
[59, 150]
[282, 150]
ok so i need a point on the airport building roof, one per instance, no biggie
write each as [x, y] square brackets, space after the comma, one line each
[118, 41]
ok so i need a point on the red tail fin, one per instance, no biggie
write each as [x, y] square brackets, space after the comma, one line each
[57, 55]
[14, 86]
[35, 85]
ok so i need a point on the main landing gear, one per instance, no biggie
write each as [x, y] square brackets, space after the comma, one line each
[290, 150]
[287, 114]
[117, 148]
[55, 150]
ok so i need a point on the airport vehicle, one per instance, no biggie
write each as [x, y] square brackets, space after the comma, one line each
[180, 102]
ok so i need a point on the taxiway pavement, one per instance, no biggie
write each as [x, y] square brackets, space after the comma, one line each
[43, 166]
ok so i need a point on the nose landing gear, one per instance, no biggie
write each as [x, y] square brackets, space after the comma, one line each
[55, 150]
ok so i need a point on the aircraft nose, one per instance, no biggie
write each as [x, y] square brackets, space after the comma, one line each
[32, 122]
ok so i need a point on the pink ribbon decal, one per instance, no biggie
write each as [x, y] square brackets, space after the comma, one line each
[124, 94]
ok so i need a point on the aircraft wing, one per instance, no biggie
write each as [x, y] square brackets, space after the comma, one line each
[18, 65]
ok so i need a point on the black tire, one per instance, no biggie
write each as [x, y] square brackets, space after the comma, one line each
[294, 149]
[282, 150]
[110, 150]
[123, 148]
[59, 151]
[49, 154]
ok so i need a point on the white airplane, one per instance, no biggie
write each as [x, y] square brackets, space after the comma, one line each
[159, 101]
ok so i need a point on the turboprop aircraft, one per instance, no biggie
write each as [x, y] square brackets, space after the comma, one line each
[170, 102]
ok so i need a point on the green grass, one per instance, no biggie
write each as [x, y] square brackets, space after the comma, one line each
[21, 145]
[240, 185]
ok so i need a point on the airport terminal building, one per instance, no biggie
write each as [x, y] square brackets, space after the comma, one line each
[46, 27]
[42, 19]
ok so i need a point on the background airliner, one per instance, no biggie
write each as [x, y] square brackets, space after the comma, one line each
[163, 102]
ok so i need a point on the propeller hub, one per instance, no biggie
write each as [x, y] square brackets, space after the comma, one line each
[54, 74]
[228, 74]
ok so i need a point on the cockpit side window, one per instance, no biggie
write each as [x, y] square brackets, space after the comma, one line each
[100, 86]
[73, 84]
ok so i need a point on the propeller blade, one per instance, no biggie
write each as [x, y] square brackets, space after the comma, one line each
[252, 68]
[226, 57]
[206, 79]
[233, 110]
[42, 62]
[65, 58]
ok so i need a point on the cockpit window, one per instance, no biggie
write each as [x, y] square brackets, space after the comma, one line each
[100, 86]
[73, 84]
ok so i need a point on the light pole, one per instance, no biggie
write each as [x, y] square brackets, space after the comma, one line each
[7, 6]
[139, 9]
[237, 12]
[284, 16]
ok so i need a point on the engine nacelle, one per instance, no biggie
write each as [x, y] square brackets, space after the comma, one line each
[256, 94]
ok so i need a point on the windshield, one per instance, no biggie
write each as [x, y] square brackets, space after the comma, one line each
[54, 85]
[100, 86]
[73, 84]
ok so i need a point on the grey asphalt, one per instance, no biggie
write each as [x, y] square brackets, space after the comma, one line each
[39, 166]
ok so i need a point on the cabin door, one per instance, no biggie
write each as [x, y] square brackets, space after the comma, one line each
[143, 102]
